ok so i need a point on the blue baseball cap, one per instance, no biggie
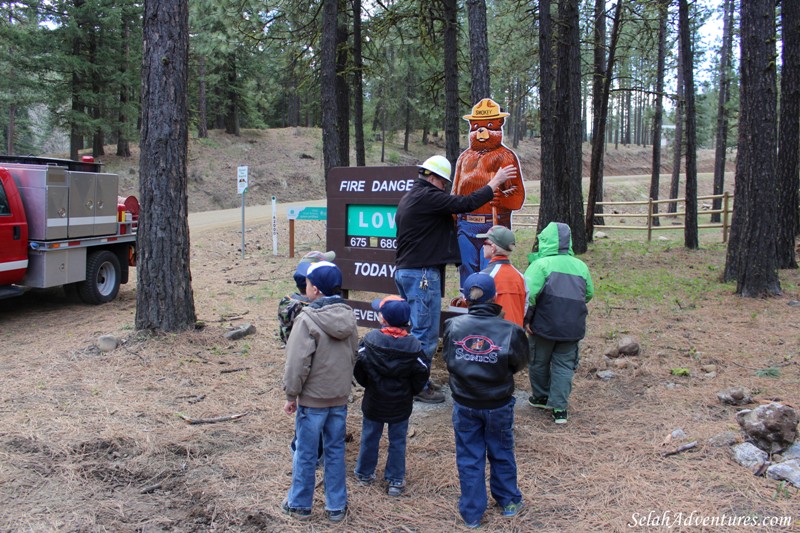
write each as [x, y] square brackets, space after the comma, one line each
[479, 288]
[325, 276]
[396, 311]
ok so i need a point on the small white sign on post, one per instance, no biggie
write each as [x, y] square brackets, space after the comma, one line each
[241, 186]
[241, 180]
[274, 225]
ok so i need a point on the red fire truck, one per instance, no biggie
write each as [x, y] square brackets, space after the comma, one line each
[62, 223]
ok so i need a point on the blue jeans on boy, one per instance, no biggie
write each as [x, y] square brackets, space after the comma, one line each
[482, 432]
[422, 288]
[551, 369]
[371, 431]
[311, 423]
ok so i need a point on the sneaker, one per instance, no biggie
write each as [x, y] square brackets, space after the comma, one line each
[560, 416]
[473, 525]
[365, 481]
[429, 396]
[512, 509]
[396, 488]
[295, 512]
[337, 516]
[434, 385]
[540, 402]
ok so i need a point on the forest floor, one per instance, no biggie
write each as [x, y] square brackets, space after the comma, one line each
[93, 441]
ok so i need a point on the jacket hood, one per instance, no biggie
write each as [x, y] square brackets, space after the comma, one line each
[555, 239]
[333, 316]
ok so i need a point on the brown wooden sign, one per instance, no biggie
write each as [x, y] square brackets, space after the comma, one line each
[362, 202]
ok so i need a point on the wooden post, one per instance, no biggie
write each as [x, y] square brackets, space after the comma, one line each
[291, 237]
[725, 204]
[649, 219]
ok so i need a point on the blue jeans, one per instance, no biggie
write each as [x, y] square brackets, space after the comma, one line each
[425, 300]
[371, 431]
[310, 424]
[551, 368]
[482, 432]
[471, 249]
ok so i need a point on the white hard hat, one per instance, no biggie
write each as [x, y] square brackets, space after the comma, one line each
[439, 165]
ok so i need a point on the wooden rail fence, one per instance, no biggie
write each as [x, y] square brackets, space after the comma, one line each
[529, 214]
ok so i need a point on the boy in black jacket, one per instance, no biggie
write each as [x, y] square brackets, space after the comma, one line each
[483, 352]
[392, 368]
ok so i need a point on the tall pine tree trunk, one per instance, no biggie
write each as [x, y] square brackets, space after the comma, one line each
[202, 122]
[722, 107]
[788, 180]
[677, 145]
[358, 87]
[655, 174]
[548, 188]
[478, 50]
[164, 299]
[330, 117]
[690, 236]
[752, 249]
[451, 114]
[342, 86]
[601, 109]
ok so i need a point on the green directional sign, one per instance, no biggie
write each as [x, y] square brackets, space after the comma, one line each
[307, 213]
[371, 220]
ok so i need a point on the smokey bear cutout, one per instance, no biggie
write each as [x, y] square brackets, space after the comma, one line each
[477, 165]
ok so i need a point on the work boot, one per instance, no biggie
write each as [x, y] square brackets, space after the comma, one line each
[429, 396]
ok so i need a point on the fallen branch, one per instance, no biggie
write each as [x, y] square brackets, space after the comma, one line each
[226, 318]
[232, 370]
[150, 488]
[226, 418]
[681, 448]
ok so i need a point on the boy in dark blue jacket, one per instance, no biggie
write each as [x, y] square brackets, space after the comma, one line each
[392, 368]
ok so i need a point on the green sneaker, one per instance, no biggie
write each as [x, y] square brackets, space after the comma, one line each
[560, 416]
[512, 509]
[539, 402]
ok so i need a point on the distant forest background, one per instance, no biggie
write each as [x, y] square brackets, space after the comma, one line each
[72, 68]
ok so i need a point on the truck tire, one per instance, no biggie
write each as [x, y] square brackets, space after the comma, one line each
[103, 276]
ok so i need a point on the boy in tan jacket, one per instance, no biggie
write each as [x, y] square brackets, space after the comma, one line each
[320, 357]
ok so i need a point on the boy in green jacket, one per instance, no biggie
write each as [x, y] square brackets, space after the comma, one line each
[559, 287]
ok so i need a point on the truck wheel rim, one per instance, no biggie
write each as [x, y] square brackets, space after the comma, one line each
[105, 279]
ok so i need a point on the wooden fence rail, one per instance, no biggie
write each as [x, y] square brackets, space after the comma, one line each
[529, 214]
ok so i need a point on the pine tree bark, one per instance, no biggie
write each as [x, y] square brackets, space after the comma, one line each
[752, 249]
[358, 87]
[123, 142]
[451, 114]
[601, 109]
[478, 50]
[677, 145]
[342, 86]
[658, 117]
[722, 107]
[690, 237]
[549, 191]
[330, 116]
[788, 163]
[202, 122]
[164, 298]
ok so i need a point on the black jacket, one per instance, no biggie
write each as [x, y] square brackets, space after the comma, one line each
[426, 236]
[483, 352]
[392, 370]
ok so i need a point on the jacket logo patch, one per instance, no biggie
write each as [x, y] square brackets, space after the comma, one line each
[477, 348]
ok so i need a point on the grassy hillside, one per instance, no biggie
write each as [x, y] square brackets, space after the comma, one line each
[287, 163]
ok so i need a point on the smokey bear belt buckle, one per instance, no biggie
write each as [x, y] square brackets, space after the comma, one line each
[476, 219]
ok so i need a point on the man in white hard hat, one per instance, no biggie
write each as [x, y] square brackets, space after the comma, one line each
[426, 244]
